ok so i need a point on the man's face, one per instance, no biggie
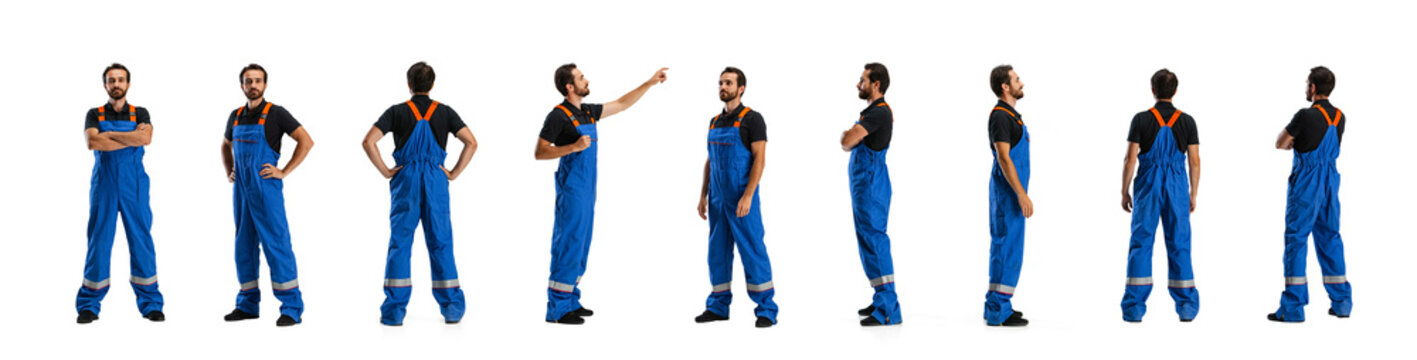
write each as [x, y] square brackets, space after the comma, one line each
[115, 82]
[865, 87]
[253, 83]
[728, 88]
[1015, 86]
[581, 86]
[1309, 93]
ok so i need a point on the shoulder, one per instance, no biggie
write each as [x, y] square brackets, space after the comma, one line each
[557, 113]
[879, 111]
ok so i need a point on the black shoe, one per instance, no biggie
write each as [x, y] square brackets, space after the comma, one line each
[871, 321]
[238, 315]
[708, 316]
[1188, 320]
[86, 317]
[155, 316]
[569, 319]
[763, 322]
[286, 320]
[1275, 317]
[866, 311]
[1014, 320]
[452, 322]
[583, 312]
[1334, 313]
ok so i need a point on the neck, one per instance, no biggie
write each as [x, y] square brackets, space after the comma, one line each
[1009, 100]
[1320, 97]
[575, 100]
[732, 104]
[877, 96]
[420, 94]
[1163, 100]
[118, 103]
[251, 104]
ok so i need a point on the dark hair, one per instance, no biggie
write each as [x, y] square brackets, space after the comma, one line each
[1323, 80]
[998, 77]
[563, 78]
[1163, 83]
[118, 66]
[742, 79]
[879, 74]
[420, 77]
[253, 66]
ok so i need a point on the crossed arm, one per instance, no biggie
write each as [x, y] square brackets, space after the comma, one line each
[115, 140]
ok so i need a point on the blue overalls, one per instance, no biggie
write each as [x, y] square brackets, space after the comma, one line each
[260, 221]
[1162, 190]
[729, 165]
[1006, 225]
[119, 186]
[1313, 208]
[419, 191]
[871, 207]
[575, 215]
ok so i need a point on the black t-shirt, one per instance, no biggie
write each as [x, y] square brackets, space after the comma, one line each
[1005, 125]
[1145, 127]
[399, 119]
[1309, 125]
[558, 129]
[278, 122]
[111, 114]
[877, 120]
[750, 130]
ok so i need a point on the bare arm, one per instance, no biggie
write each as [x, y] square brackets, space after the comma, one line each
[1194, 158]
[546, 151]
[1129, 169]
[101, 141]
[469, 147]
[1285, 141]
[629, 99]
[759, 149]
[140, 136]
[371, 148]
[228, 161]
[853, 136]
[703, 194]
[1007, 164]
[303, 143]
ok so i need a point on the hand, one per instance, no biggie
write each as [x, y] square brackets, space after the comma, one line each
[449, 174]
[1193, 202]
[269, 171]
[389, 174]
[745, 205]
[658, 77]
[143, 126]
[1126, 202]
[1025, 204]
[231, 177]
[582, 144]
[703, 207]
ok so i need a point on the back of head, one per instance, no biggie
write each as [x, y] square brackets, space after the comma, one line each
[420, 77]
[1163, 84]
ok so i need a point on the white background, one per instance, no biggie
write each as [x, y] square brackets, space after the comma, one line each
[337, 65]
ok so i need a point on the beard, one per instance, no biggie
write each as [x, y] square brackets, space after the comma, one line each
[863, 94]
[117, 93]
[725, 96]
[1308, 96]
[254, 94]
[583, 92]
[1018, 94]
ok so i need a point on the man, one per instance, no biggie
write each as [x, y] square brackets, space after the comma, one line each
[1009, 203]
[1162, 139]
[1314, 134]
[117, 133]
[418, 191]
[250, 153]
[737, 147]
[569, 134]
[868, 141]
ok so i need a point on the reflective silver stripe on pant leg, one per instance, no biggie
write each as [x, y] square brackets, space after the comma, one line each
[1001, 288]
[1296, 280]
[145, 281]
[760, 287]
[446, 284]
[723, 287]
[1137, 281]
[1337, 279]
[1181, 283]
[250, 285]
[95, 284]
[887, 279]
[398, 282]
[562, 287]
[293, 283]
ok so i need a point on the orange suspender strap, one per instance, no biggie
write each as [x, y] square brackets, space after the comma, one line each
[424, 117]
[569, 115]
[1163, 122]
[1331, 121]
[100, 112]
[1011, 114]
[737, 122]
[264, 111]
[132, 113]
[888, 108]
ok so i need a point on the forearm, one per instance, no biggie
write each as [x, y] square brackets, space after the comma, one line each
[1129, 168]
[754, 175]
[302, 148]
[633, 96]
[705, 190]
[226, 159]
[464, 158]
[102, 142]
[371, 149]
[553, 152]
[1195, 175]
[130, 138]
